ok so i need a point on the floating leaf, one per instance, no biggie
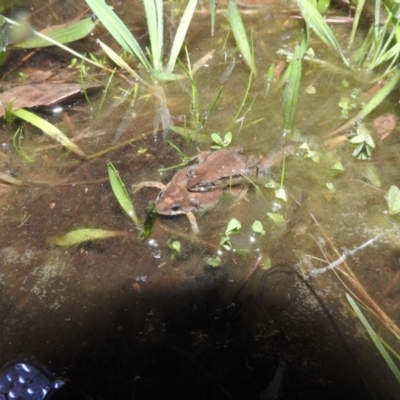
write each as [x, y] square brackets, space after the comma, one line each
[219, 142]
[121, 193]
[226, 243]
[175, 245]
[49, 130]
[214, 262]
[277, 218]
[393, 200]
[234, 226]
[338, 166]
[83, 235]
[257, 227]
[281, 194]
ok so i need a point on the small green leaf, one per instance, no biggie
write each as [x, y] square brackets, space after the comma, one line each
[82, 235]
[175, 245]
[234, 226]
[149, 221]
[213, 262]
[257, 227]
[338, 166]
[281, 194]
[121, 193]
[226, 243]
[277, 218]
[226, 141]
[331, 186]
[271, 184]
[393, 200]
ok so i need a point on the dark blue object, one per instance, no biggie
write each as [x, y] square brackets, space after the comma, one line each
[27, 380]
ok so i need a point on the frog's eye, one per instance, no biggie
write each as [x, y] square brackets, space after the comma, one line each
[175, 208]
[160, 195]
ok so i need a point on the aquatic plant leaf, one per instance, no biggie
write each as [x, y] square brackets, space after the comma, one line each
[226, 243]
[234, 226]
[338, 166]
[4, 34]
[213, 262]
[63, 34]
[277, 218]
[50, 130]
[190, 134]
[292, 91]
[176, 246]
[79, 236]
[180, 34]
[375, 338]
[166, 76]
[281, 194]
[393, 200]
[120, 62]
[317, 23]
[154, 16]
[239, 33]
[359, 7]
[219, 142]
[121, 194]
[118, 30]
[257, 227]
[213, 13]
[149, 221]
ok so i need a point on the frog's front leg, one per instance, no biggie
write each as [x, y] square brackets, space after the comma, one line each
[193, 223]
[141, 185]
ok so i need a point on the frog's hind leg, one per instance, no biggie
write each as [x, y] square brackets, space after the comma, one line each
[141, 185]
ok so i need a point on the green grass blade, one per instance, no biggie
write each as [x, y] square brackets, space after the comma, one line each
[213, 13]
[49, 129]
[121, 194]
[381, 95]
[65, 33]
[181, 34]
[292, 91]
[118, 30]
[121, 63]
[317, 23]
[79, 236]
[239, 33]
[357, 15]
[375, 338]
[154, 16]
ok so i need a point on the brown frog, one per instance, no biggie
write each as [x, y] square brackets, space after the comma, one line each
[221, 168]
[198, 187]
[175, 199]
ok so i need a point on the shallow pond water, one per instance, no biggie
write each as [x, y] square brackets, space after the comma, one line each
[125, 318]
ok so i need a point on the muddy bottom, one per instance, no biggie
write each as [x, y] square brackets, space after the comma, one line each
[187, 334]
